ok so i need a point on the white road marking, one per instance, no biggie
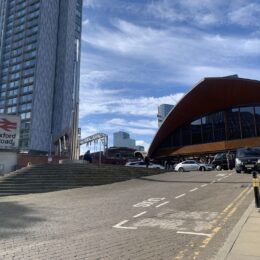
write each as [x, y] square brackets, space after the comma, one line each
[194, 233]
[147, 203]
[158, 206]
[226, 177]
[194, 189]
[203, 185]
[180, 196]
[119, 225]
[140, 214]
[220, 179]
[212, 182]
[221, 174]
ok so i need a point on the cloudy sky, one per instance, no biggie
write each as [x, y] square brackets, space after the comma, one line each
[138, 54]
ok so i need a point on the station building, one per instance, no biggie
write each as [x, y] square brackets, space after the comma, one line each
[216, 115]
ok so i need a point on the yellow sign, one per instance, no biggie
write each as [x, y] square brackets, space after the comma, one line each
[255, 182]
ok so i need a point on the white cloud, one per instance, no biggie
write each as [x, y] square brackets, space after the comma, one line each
[172, 48]
[197, 13]
[246, 15]
[90, 3]
[95, 101]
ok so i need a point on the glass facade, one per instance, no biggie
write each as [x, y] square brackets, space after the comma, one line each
[35, 36]
[18, 60]
[233, 123]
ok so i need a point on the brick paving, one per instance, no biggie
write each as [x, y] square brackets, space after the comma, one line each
[77, 224]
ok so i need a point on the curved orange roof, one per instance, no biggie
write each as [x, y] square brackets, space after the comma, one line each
[208, 96]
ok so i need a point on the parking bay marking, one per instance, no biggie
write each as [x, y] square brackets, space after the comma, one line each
[194, 233]
[119, 225]
[140, 214]
[158, 206]
[177, 197]
[203, 185]
[194, 189]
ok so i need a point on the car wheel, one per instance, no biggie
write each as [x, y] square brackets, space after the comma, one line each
[237, 171]
[202, 169]
[181, 169]
[218, 168]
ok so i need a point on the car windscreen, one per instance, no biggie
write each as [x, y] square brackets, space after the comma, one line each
[218, 156]
[253, 152]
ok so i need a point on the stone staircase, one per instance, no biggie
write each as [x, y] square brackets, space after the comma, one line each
[46, 178]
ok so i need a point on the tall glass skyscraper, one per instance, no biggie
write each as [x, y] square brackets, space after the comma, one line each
[39, 68]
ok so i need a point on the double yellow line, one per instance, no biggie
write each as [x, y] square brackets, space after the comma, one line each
[224, 216]
[218, 223]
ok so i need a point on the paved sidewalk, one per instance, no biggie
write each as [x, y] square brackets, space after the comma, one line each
[247, 243]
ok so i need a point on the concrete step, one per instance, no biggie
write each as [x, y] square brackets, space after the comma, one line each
[45, 178]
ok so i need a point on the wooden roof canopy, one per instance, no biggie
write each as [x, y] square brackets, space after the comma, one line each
[208, 96]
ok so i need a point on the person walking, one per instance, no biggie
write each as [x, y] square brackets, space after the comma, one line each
[228, 157]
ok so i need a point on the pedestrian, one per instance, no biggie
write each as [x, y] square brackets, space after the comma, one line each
[228, 157]
[87, 157]
[147, 161]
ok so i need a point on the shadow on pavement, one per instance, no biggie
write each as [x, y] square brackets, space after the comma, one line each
[15, 218]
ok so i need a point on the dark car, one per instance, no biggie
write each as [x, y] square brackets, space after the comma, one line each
[223, 161]
[248, 159]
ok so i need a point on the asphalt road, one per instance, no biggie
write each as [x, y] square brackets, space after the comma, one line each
[167, 216]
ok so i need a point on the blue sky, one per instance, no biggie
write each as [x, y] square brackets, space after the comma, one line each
[138, 54]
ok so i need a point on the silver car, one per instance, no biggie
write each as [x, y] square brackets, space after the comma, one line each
[191, 165]
[141, 164]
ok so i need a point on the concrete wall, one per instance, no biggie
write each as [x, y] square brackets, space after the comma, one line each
[8, 162]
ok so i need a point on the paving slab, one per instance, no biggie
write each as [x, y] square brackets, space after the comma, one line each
[247, 244]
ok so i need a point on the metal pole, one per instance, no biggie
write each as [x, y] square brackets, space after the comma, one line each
[256, 189]
[100, 153]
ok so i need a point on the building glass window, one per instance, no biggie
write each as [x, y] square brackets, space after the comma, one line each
[233, 124]
[26, 98]
[13, 92]
[26, 115]
[207, 129]
[14, 84]
[176, 138]
[247, 121]
[28, 80]
[257, 119]
[27, 106]
[196, 137]
[27, 89]
[11, 110]
[11, 101]
[218, 126]
[186, 135]
[3, 94]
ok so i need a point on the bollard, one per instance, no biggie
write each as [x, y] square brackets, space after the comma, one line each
[256, 189]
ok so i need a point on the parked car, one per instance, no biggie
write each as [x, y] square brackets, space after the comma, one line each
[142, 164]
[247, 160]
[220, 161]
[191, 165]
